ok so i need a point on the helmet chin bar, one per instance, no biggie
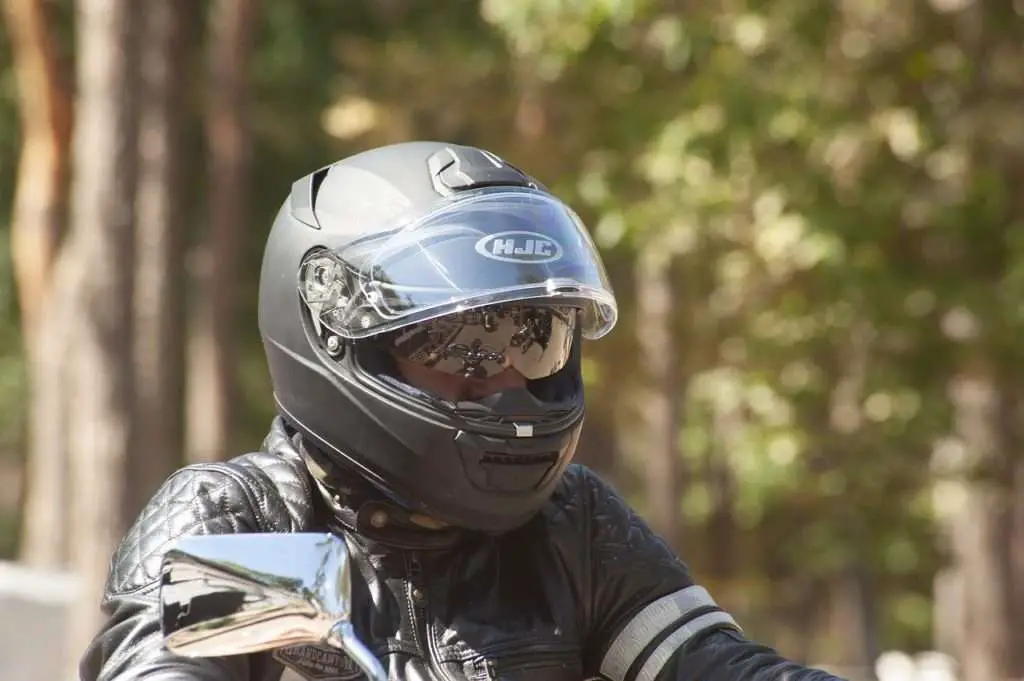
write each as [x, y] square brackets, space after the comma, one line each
[499, 458]
[503, 466]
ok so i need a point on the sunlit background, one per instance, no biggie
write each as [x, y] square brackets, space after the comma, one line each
[812, 212]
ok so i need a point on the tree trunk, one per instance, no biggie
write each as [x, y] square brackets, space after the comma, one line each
[663, 392]
[979, 518]
[45, 107]
[853, 619]
[727, 425]
[159, 257]
[212, 346]
[1017, 557]
[102, 250]
[39, 212]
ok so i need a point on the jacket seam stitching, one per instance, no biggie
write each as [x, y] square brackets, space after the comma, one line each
[258, 511]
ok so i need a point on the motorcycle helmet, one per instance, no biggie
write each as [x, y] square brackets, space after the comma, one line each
[448, 257]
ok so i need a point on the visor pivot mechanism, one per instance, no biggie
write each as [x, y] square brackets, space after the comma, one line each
[334, 347]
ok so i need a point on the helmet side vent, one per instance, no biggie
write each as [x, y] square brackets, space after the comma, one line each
[303, 197]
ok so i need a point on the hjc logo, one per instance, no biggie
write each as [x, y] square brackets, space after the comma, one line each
[527, 247]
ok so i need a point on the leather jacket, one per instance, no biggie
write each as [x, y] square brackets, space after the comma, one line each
[583, 590]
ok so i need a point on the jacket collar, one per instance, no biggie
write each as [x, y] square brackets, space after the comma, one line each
[355, 505]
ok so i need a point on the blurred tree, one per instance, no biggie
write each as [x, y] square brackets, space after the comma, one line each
[36, 230]
[98, 285]
[665, 392]
[213, 341]
[45, 103]
[790, 273]
[974, 86]
[13, 378]
[167, 58]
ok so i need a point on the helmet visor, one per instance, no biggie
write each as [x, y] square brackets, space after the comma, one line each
[497, 246]
[534, 340]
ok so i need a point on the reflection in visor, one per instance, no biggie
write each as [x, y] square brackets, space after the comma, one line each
[534, 340]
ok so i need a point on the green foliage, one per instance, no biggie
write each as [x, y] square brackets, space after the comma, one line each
[807, 165]
[12, 379]
[833, 181]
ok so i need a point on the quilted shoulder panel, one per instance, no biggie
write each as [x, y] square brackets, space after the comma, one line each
[615, 535]
[620, 538]
[282, 487]
[623, 564]
[258, 492]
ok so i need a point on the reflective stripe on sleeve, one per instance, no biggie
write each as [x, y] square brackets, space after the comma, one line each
[665, 650]
[652, 621]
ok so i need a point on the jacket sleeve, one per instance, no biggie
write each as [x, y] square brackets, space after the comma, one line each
[647, 620]
[206, 499]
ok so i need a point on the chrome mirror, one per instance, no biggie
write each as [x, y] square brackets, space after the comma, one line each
[243, 593]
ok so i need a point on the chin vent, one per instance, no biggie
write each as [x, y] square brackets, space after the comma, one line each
[503, 459]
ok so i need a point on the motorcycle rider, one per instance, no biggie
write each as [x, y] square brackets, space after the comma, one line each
[422, 307]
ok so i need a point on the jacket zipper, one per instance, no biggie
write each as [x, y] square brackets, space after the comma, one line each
[417, 610]
[486, 668]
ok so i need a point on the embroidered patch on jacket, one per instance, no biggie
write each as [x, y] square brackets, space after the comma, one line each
[319, 663]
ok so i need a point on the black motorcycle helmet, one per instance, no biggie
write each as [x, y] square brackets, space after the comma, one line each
[447, 256]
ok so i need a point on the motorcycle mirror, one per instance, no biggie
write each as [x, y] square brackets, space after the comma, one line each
[244, 593]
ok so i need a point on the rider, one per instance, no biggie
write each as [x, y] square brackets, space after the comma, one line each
[422, 307]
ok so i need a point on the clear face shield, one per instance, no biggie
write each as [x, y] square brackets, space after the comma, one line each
[503, 279]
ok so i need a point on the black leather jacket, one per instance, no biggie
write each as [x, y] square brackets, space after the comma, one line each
[583, 590]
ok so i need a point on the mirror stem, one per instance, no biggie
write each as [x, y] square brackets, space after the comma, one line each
[343, 637]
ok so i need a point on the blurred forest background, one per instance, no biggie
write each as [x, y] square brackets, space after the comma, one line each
[813, 214]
